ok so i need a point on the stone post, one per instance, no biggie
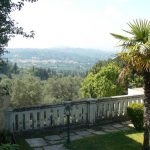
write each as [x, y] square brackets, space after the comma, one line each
[4, 104]
[9, 119]
[92, 109]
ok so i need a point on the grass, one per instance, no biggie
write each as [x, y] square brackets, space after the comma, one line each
[23, 145]
[129, 140]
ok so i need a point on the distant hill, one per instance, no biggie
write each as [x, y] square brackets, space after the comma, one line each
[58, 58]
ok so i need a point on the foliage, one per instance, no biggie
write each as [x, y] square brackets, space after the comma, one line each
[136, 49]
[5, 137]
[8, 69]
[135, 112]
[8, 26]
[62, 89]
[101, 63]
[9, 147]
[104, 83]
[88, 89]
[5, 86]
[41, 72]
[26, 91]
[135, 81]
[6, 141]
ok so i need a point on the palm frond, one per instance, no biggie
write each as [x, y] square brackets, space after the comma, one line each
[136, 48]
[140, 29]
[120, 37]
[128, 32]
[125, 71]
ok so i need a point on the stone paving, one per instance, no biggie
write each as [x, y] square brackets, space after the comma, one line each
[55, 142]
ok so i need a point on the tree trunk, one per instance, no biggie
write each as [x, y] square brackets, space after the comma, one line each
[146, 110]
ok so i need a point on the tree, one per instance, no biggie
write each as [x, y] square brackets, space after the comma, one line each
[62, 89]
[8, 26]
[26, 91]
[88, 86]
[101, 63]
[5, 86]
[41, 72]
[136, 56]
[103, 83]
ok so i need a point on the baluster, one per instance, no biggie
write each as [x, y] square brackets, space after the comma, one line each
[116, 109]
[125, 107]
[73, 114]
[61, 115]
[27, 120]
[13, 126]
[55, 117]
[20, 121]
[111, 109]
[16, 123]
[35, 122]
[100, 110]
[79, 113]
[41, 118]
[48, 118]
[105, 110]
[108, 110]
[84, 113]
[102, 106]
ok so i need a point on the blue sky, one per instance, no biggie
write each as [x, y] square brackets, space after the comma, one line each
[77, 23]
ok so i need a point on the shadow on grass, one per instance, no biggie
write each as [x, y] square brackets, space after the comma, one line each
[20, 138]
[129, 140]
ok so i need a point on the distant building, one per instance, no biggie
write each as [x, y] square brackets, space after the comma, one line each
[136, 91]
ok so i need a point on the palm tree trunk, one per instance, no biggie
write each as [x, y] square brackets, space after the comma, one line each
[146, 110]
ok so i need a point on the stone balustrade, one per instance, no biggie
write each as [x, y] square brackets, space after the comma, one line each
[85, 112]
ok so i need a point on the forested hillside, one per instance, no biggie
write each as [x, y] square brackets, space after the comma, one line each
[73, 59]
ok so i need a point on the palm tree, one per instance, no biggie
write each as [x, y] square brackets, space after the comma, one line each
[136, 56]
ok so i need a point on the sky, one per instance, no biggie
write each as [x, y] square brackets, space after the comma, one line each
[77, 23]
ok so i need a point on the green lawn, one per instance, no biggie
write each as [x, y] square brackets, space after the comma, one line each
[23, 145]
[129, 140]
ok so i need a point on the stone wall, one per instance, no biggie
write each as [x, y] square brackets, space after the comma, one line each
[85, 112]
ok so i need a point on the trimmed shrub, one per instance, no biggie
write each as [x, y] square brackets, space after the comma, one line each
[135, 112]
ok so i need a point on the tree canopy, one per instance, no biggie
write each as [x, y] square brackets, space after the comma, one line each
[8, 26]
[103, 83]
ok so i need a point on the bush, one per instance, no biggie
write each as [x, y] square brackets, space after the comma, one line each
[5, 137]
[9, 147]
[135, 112]
[6, 141]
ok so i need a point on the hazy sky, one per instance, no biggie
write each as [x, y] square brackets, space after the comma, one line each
[77, 23]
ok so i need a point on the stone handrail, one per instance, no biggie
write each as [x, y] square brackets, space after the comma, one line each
[85, 112]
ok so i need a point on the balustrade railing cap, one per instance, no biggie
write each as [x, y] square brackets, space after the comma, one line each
[9, 109]
[67, 102]
[91, 100]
